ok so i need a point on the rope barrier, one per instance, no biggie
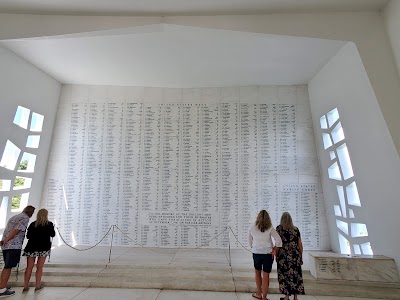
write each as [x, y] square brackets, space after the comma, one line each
[157, 251]
[59, 233]
[239, 241]
[126, 235]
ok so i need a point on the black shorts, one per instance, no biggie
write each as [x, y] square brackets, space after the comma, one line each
[263, 262]
[11, 258]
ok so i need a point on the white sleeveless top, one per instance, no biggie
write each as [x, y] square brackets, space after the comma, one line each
[261, 242]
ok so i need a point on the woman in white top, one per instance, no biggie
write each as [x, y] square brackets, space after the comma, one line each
[263, 250]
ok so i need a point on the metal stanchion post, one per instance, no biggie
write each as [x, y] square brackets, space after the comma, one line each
[112, 238]
[229, 243]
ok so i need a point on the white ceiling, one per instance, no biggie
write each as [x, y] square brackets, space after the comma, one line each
[179, 7]
[176, 56]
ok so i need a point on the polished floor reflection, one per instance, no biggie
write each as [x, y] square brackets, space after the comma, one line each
[63, 293]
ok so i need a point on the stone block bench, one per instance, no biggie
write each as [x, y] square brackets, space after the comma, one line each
[371, 268]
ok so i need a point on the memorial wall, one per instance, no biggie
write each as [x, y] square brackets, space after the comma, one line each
[176, 167]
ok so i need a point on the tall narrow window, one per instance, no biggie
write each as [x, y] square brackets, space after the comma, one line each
[15, 184]
[350, 233]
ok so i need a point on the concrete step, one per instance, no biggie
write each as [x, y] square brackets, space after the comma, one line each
[199, 278]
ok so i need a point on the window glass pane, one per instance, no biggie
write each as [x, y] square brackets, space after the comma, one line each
[345, 163]
[352, 194]
[334, 172]
[5, 185]
[344, 244]
[22, 117]
[357, 249]
[337, 133]
[22, 183]
[327, 140]
[33, 141]
[10, 156]
[338, 212]
[333, 116]
[332, 155]
[16, 201]
[358, 230]
[27, 163]
[37, 122]
[3, 212]
[19, 202]
[343, 226]
[366, 249]
[342, 200]
[323, 122]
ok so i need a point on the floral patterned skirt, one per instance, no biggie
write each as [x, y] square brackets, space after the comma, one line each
[36, 253]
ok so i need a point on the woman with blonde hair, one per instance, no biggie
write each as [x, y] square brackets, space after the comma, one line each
[39, 244]
[264, 250]
[289, 259]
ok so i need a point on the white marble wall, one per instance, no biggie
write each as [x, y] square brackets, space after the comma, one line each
[176, 167]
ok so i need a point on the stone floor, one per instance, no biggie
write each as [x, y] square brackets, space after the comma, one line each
[64, 293]
[73, 274]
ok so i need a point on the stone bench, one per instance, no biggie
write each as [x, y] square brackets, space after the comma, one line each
[334, 266]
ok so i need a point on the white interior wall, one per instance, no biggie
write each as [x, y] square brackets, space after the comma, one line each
[392, 22]
[22, 84]
[344, 84]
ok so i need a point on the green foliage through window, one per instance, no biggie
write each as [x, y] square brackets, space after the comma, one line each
[19, 181]
[16, 201]
[23, 165]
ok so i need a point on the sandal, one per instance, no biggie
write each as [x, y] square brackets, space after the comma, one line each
[25, 290]
[254, 295]
[39, 288]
